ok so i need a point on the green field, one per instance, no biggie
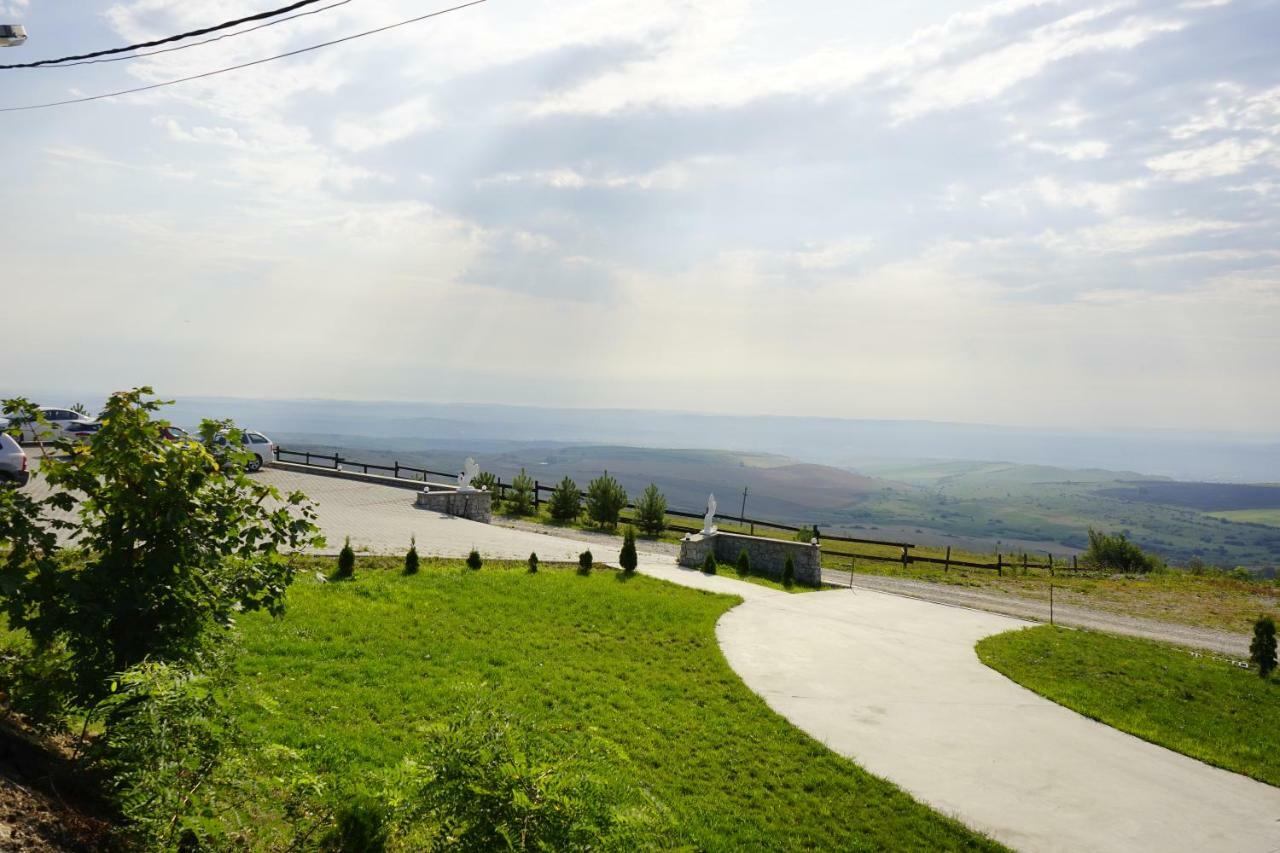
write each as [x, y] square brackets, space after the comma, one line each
[1269, 517]
[1205, 708]
[354, 672]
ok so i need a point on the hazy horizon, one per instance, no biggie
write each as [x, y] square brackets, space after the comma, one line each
[950, 210]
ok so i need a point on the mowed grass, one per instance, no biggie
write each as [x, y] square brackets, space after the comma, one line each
[354, 671]
[1197, 705]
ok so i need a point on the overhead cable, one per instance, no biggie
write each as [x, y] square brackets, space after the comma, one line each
[241, 65]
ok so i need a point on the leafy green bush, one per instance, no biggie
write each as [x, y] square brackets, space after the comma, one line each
[520, 498]
[805, 534]
[709, 564]
[483, 783]
[651, 510]
[533, 563]
[627, 558]
[346, 561]
[361, 825]
[584, 562]
[411, 558]
[1115, 553]
[744, 563]
[473, 560]
[171, 546]
[566, 501]
[605, 500]
[164, 733]
[1262, 650]
[789, 572]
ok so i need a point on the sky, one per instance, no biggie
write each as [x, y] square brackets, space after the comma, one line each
[1024, 213]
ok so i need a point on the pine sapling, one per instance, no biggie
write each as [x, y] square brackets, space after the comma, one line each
[533, 563]
[346, 561]
[744, 563]
[411, 559]
[627, 559]
[709, 564]
[1262, 651]
[789, 573]
[473, 560]
[584, 563]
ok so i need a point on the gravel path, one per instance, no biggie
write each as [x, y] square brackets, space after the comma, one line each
[1220, 642]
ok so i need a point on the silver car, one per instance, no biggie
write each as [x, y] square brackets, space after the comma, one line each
[13, 462]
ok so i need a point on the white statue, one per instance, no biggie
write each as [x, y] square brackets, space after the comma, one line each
[709, 520]
[469, 472]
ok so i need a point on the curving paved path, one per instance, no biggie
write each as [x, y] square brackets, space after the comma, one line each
[894, 684]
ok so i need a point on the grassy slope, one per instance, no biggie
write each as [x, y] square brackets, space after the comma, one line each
[1269, 517]
[354, 669]
[1199, 706]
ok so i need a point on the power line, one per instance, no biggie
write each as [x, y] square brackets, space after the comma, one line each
[198, 43]
[193, 33]
[241, 65]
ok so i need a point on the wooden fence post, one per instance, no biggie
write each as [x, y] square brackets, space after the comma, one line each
[999, 564]
[1073, 563]
[946, 567]
[1024, 562]
[308, 455]
[853, 566]
[537, 496]
[904, 558]
[1050, 565]
[397, 464]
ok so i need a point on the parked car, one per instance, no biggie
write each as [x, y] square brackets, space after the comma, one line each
[169, 432]
[13, 462]
[55, 427]
[261, 449]
[80, 433]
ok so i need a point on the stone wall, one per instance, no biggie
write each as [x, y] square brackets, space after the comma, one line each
[768, 556]
[477, 506]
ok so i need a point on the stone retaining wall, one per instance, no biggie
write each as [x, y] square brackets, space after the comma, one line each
[477, 506]
[768, 556]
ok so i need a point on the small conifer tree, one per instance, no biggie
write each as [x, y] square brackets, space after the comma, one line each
[346, 561]
[411, 559]
[605, 500]
[709, 564]
[533, 562]
[744, 563]
[1262, 651]
[520, 499]
[473, 560]
[789, 573]
[566, 501]
[627, 559]
[584, 562]
[651, 510]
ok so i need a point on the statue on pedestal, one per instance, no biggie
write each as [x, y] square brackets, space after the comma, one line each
[469, 472]
[709, 520]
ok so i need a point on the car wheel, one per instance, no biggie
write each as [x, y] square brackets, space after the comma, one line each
[255, 464]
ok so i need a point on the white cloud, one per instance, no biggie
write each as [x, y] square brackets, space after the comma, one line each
[391, 125]
[1225, 157]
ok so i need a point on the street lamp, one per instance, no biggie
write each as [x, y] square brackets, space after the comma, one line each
[12, 35]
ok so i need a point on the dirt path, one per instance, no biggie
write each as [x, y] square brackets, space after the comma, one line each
[1221, 642]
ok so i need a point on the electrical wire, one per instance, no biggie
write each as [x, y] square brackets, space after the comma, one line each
[241, 65]
[203, 41]
[192, 34]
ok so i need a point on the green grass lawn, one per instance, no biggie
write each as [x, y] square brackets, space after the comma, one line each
[1205, 708]
[354, 671]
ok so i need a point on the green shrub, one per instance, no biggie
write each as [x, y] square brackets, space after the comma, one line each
[566, 501]
[651, 510]
[520, 498]
[805, 534]
[789, 572]
[605, 500]
[1115, 553]
[744, 563]
[362, 825]
[484, 783]
[533, 562]
[346, 561]
[473, 560]
[487, 481]
[627, 558]
[411, 559]
[584, 562]
[1262, 651]
[709, 564]
[172, 546]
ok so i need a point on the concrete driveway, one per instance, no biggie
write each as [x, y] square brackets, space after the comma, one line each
[894, 684]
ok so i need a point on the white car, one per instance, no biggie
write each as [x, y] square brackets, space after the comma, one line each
[263, 449]
[13, 462]
[56, 427]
